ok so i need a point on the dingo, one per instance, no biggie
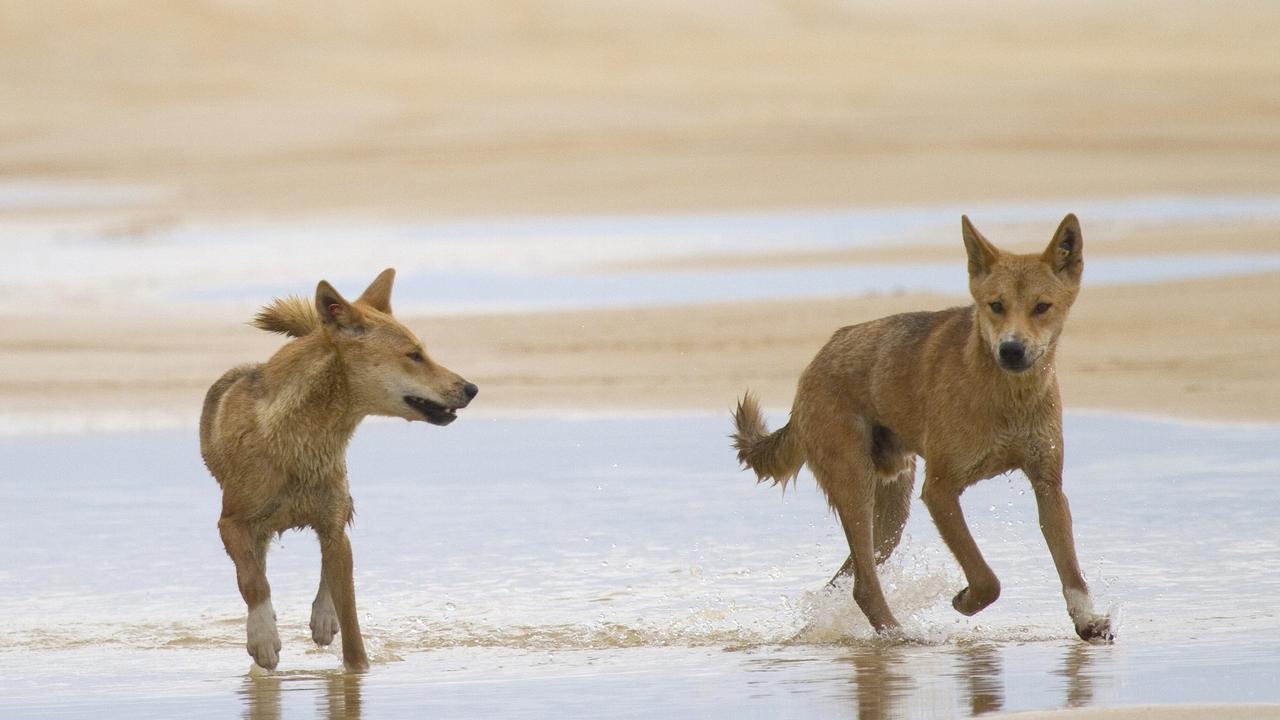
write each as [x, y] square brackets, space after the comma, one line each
[275, 437]
[971, 389]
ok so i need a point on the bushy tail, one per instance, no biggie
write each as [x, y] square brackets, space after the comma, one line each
[773, 456]
[292, 316]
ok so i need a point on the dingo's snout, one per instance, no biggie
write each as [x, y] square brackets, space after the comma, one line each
[469, 390]
[1013, 356]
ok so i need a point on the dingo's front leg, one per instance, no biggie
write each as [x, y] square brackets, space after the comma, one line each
[249, 555]
[1055, 523]
[942, 496]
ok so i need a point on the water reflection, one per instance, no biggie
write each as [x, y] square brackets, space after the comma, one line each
[1077, 669]
[881, 685]
[884, 677]
[342, 697]
[337, 695]
[262, 697]
[982, 674]
[894, 681]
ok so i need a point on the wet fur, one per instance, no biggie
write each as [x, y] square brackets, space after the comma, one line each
[947, 386]
[275, 436]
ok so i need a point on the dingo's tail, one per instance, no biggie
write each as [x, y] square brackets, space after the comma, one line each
[773, 456]
[292, 316]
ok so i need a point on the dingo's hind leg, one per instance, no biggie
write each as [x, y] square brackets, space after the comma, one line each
[849, 481]
[893, 505]
[335, 554]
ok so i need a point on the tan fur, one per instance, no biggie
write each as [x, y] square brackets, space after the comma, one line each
[275, 436]
[774, 456]
[970, 389]
[292, 316]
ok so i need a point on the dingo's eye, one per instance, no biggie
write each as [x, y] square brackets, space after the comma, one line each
[997, 307]
[1042, 308]
[415, 356]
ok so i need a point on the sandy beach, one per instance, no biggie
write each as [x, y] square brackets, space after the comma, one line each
[127, 126]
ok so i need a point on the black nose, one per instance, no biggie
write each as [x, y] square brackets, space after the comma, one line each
[1012, 353]
[470, 390]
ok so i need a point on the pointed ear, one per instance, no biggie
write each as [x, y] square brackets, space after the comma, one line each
[334, 309]
[982, 254]
[378, 294]
[1065, 253]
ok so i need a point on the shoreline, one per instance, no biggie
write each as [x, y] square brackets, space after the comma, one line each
[21, 426]
[1117, 239]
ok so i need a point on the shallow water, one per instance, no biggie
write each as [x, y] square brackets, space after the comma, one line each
[623, 567]
[461, 292]
[549, 263]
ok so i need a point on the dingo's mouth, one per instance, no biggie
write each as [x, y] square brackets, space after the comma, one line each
[434, 412]
[1017, 368]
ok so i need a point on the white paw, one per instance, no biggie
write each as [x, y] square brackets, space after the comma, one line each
[324, 622]
[1096, 629]
[1090, 626]
[263, 639]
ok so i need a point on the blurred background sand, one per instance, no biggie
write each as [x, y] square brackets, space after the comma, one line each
[210, 111]
[502, 106]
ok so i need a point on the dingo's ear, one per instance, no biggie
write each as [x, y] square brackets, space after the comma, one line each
[334, 309]
[378, 294]
[982, 254]
[1065, 253]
